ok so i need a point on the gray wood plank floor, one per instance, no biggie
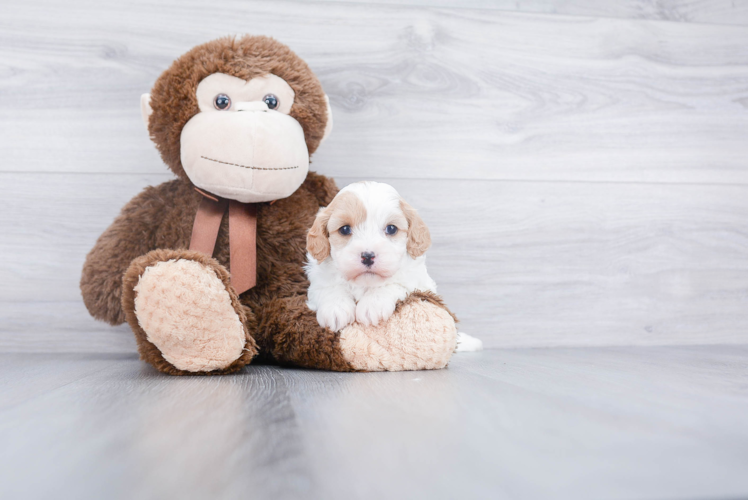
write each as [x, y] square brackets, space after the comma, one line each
[596, 423]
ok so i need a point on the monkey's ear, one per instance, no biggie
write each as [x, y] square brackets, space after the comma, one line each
[328, 125]
[145, 108]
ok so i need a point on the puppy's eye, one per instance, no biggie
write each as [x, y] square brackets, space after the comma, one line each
[391, 230]
[271, 101]
[345, 230]
[222, 102]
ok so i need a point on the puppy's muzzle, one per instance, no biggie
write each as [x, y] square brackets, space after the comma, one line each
[367, 258]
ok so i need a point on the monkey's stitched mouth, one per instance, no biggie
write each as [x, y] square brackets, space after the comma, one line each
[247, 166]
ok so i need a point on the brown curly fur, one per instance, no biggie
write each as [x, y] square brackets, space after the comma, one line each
[174, 99]
[161, 217]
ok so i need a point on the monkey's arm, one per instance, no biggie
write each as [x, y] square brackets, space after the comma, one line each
[131, 235]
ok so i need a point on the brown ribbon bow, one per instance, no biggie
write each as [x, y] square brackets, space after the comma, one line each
[242, 236]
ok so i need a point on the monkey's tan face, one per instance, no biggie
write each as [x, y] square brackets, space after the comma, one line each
[242, 144]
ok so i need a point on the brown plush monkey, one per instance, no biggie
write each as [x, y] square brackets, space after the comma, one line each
[236, 121]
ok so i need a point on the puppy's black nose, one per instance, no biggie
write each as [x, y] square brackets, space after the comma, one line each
[367, 259]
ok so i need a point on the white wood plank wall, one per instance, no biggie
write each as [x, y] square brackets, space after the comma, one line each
[585, 178]
[699, 11]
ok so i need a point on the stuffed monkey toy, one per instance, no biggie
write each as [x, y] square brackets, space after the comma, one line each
[207, 268]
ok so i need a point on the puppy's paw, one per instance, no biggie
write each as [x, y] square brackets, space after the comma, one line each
[337, 315]
[373, 309]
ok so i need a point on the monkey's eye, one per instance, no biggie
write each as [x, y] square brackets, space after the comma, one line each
[391, 230]
[222, 102]
[345, 230]
[271, 101]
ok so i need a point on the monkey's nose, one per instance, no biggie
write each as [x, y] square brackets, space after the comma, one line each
[367, 258]
[251, 106]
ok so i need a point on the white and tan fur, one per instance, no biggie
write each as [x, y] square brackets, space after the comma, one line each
[362, 275]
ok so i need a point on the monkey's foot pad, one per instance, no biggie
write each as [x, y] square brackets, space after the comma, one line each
[186, 312]
[420, 335]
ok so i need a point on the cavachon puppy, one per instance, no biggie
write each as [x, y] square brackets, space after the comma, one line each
[365, 254]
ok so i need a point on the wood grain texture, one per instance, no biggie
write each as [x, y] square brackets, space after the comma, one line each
[633, 423]
[584, 178]
[415, 92]
[521, 263]
[59, 326]
[688, 11]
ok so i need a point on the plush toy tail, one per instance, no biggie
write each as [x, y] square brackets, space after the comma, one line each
[466, 343]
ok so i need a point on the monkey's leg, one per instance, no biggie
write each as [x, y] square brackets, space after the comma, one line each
[185, 314]
[288, 330]
[420, 335]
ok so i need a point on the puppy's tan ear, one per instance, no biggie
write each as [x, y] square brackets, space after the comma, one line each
[419, 237]
[318, 239]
